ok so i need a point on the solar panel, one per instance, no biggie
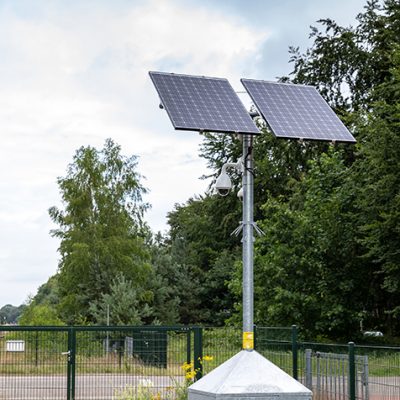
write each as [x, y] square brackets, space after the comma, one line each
[296, 111]
[197, 103]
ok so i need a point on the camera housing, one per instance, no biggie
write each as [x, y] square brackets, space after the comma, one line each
[223, 184]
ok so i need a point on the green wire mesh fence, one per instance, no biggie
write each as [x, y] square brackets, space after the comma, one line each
[31, 360]
[116, 363]
[91, 362]
[383, 367]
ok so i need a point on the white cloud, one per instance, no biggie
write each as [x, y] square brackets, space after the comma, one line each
[75, 75]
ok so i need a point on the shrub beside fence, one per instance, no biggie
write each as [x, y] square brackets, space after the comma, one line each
[99, 362]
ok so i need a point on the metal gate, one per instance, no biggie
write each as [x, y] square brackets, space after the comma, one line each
[328, 375]
[34, 363]
[81, 363]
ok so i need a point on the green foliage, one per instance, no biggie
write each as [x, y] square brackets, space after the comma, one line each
[203, 253]
[330, 258]
[48, 293]
[126, 304]
[168, 282]
[100, 228]
[41, 314]
[42, 308]
[346, 64]
[304, 270]
[378, 176]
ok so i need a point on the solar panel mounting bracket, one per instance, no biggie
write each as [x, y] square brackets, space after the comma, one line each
[254, 114]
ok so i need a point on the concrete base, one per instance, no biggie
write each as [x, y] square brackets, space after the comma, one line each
[248, 376]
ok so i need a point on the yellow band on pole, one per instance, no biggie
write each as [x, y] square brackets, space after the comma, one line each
[248, 340]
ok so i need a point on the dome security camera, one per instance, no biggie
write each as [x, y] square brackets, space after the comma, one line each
[223, 184]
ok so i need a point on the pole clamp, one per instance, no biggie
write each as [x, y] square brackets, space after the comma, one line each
[239, 229]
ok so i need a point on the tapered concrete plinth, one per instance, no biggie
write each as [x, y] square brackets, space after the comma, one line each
[248, 376]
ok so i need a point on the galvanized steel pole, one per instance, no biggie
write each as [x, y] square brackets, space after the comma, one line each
[248, 239]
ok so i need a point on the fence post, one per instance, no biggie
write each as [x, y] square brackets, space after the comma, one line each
[73, 360]
[69, 338]
[309, 368]
[198, 351]
[36, 348]
[71, 363]
[318, 355]
[366, 379]
[295, 351]
[189, 346]
[352, 372]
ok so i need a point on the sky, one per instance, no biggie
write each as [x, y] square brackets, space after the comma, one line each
[75, 72]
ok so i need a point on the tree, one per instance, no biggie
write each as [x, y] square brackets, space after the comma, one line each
[377, 175]
[347, 63]
[126, 304]
[100, 228]
[48, 293]
[307, 271]
[203, 253]
[41, 309]
[42, 314]
[167, 283]
[331, 255]
[10, 314]
[357, 70]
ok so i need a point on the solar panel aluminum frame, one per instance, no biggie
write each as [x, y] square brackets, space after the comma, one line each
[243, 116]
[344, 136]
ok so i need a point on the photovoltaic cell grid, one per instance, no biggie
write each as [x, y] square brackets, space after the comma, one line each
[198, 103]
[296, 111]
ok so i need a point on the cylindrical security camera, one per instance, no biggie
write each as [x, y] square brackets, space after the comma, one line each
[240, 194]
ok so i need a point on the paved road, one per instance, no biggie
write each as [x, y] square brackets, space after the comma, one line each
[105, 386]
[379, 388]
[384, 388]
[87, 387]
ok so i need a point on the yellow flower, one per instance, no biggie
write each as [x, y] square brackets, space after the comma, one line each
[208, 358]
[187, 366]
[190, 375]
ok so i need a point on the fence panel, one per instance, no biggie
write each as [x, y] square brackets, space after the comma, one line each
[327, 375]
[129, 361]
[275, 343]
[85, 363]
[219, 344]
[383, 371]
[34, 364]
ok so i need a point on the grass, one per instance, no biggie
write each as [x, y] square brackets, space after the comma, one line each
[384, 364]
